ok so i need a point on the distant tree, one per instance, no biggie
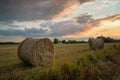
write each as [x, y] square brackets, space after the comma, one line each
[106, 39]
[101, 37]
[82, 41]
[72, 41]
[69, 41]
[109, 39]
[63, 41]
[56, 40]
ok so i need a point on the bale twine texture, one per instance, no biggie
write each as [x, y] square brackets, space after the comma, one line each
[37, 52]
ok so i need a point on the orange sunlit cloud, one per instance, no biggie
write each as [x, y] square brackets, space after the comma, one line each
[67, 11]
[109, 26]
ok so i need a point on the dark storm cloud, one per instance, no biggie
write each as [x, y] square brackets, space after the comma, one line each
[85, 18]
[32, 9]
[25, 33]
[27, 9]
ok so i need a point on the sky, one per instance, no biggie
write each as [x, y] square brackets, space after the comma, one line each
[63, 19]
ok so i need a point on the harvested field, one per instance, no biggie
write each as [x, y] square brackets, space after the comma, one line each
[72, 62]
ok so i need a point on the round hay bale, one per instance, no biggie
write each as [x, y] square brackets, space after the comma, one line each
[96, 43]
[91, 43]
[37, 52]
[99, 43]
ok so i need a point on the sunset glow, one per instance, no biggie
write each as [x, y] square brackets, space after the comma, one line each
[110, 27]
[67, 12]
[74, 19]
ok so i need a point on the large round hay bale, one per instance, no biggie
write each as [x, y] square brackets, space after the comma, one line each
[99, 43]
[96, 43]
[37, 52]
[91, 43]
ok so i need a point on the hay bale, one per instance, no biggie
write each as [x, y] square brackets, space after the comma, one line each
[99, 43]
[96, 43]
[91, 43]
[37, 52]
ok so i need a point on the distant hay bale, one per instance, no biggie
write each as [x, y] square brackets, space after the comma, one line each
[99, 43]
[96, 43]
[91, 43]
[37, 52]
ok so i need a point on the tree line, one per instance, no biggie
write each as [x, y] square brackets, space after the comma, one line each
[9, 43]
[109, 39]
[56, 40]
[67, 41]
[106, 40]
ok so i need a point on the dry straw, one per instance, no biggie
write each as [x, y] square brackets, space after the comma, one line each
[37, 52]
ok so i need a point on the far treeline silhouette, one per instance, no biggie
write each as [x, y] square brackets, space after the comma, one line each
[9, 42]
[56, 41]
[106, 40]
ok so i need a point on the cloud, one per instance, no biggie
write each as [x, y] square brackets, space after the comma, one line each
[77, 27]
[11, 39]
[43, 29]
[33, 9]
[23, 10]
[64, 28]
[25, 33]
[85, 18]
[99, 22]
[108, 26]
[84, 1]
[67, 12]
[58, 18]
[9, 25]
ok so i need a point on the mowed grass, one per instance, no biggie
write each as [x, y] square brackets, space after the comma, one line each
[71, 62]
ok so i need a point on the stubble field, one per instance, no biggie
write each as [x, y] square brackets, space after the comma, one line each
[71, 62]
